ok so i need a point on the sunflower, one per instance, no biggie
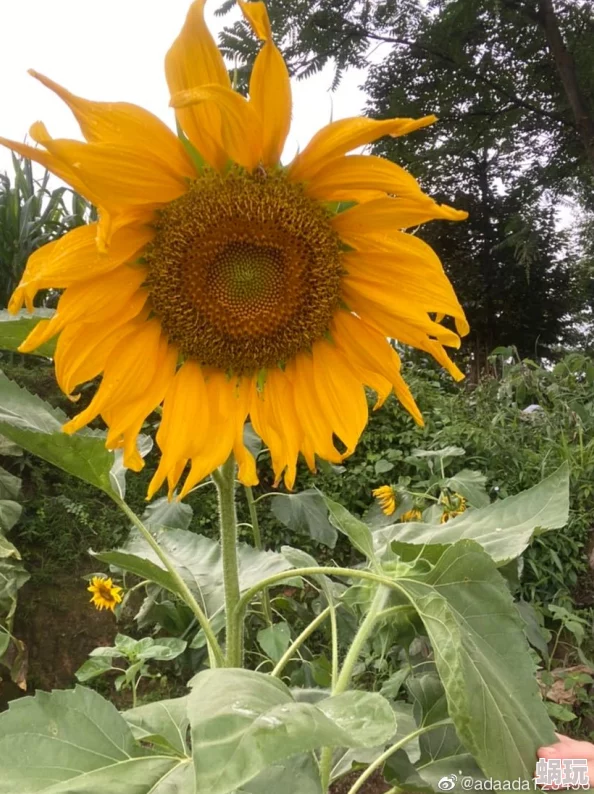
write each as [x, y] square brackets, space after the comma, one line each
[225, 285]
[106, 595]
[411, 515]
[453, 505]
[386, 497]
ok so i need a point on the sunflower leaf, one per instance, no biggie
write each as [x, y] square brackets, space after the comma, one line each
[504, 528]
[305, 512]
[254, 720]
[482, 658]
[36, 426]
[199, 562]
[75, 742]
[357, 532]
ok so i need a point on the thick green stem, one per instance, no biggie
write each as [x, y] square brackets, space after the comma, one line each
[307, 631]
[360, 639]
[225, 482]
[249, 495]
[350, 661]
[214, 649]
[379, 762]
[353, 573]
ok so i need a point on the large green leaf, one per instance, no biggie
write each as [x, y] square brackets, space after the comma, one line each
[37, 427]
[441, 751]
[15, 328]
[356, 531]
[244, 722]
[164, 723]
[504, 529]
[297, 775]
[199, 562]
[164, 513]
[344, 761]
[75, 742]
[306, 513]
[471, 485]
[10, 485]
[275, 639]
[10, 512]
[483, 661]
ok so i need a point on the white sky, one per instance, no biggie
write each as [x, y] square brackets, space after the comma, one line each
[113, 50]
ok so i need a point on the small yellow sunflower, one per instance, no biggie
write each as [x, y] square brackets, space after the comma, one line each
[411, 515]
[106, 594]
[453, 505]
[226, 285]
[386, 497]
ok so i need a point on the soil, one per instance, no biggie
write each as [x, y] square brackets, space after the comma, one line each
[59, 628]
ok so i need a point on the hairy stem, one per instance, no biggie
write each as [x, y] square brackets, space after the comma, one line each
[360, 639]
[353, 573]
[344, 678]
[215, 653]
[249, 495]
[225, 482]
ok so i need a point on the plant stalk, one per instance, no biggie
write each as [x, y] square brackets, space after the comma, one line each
[353, 573]
[348, 666]
[249, 495]
[225, 481]
[294, 646]
[215, 653]
[379, 762]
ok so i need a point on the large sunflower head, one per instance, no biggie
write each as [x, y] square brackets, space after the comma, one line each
[226, 285]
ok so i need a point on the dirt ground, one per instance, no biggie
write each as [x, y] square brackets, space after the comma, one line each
[59, 628]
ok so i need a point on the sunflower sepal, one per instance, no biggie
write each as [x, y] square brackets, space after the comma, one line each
[193, 153]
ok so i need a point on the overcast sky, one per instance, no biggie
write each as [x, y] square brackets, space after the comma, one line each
[113, 50]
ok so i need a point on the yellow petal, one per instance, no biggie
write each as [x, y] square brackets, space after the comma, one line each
[340, 393]
[273, 415]
[128, 374]
[242, 131]
[391, 305]
[194, 60]
[125, 418]
[415, 282]
[95, 300]
[363, 172]
[402, 330]
[36, 263]
[83, 348]
[122, 123]
[228, 401]
[75, 257]
[119, 175]
[383, 216]
[343, 136]
[270, 86]
[370, 353]
[53, 164]
[316, 428]
[183, 426]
